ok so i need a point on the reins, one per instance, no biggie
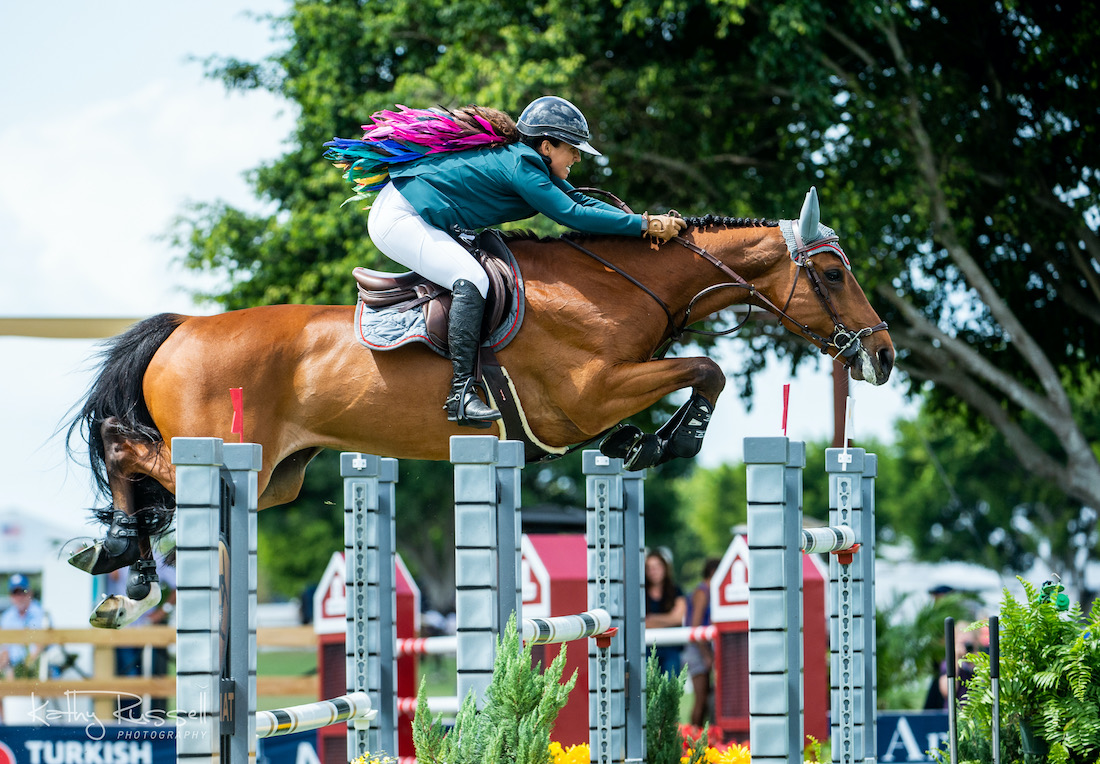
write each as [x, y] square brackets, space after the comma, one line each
[843, 340]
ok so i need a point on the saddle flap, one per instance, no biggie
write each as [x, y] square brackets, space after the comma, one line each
[437, 316]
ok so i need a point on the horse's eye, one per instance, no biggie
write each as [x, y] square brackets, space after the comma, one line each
[834, 275]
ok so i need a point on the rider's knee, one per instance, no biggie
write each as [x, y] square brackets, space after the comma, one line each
[475, 276]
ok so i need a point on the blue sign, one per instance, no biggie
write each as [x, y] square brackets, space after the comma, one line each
[908, 736]
[129, 744]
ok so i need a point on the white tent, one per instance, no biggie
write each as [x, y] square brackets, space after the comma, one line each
[28, 541]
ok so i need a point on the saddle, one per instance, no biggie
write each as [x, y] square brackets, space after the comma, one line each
[411, 291]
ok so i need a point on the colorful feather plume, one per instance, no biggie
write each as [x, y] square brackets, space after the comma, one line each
[409, 135]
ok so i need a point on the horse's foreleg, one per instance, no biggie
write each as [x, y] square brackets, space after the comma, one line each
[682, 435]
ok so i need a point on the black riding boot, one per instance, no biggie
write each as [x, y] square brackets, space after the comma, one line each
[463, 335]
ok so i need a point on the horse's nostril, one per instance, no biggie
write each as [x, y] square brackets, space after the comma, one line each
[886, 359]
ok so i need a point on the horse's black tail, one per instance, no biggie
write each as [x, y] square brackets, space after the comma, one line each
[117, 391]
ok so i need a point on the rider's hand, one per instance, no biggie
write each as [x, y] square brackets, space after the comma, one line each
[663, 227]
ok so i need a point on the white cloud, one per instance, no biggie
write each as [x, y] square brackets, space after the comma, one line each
[83, 226]
[105, 133]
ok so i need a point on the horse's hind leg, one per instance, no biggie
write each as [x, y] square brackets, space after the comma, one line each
[128, 462]
[127, 539]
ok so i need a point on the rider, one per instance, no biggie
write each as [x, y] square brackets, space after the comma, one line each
[523, 172]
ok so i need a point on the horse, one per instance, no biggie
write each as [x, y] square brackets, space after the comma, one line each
[597, 310]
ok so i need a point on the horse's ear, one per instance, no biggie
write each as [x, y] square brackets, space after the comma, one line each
[810, 217]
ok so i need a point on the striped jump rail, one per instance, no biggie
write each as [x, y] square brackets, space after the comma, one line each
[673, 635]
[311, 716]
[538, 631]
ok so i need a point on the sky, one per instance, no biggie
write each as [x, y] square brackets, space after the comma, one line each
[108, 130]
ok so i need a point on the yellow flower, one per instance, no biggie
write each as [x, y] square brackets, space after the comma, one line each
[375, 759]
[574, 754]
[734, 754]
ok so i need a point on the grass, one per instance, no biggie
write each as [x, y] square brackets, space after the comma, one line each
[285, 663]
[441, 674]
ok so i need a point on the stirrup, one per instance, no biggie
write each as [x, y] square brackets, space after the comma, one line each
[461, 398]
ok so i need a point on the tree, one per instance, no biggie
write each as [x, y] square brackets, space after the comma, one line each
[992, 108]
[955, 491]
[954, 145]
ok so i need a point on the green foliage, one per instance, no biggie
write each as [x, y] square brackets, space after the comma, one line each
[664, 741]
[951, 486]
[697, 753]
[521, 705]
[1050, 682]
[909, 652]
[816, 750]
[296, 541]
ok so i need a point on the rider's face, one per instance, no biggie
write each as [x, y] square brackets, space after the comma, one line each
[561, 157]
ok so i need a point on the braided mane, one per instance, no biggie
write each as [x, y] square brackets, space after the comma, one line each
[706, 221]
[700, 222]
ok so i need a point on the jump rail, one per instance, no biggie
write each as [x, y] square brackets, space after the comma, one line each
[672, 635]
[310, 716]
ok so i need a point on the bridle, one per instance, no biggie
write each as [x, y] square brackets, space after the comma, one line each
[844, 341]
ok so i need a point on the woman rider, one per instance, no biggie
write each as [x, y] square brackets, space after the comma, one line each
[512, 172]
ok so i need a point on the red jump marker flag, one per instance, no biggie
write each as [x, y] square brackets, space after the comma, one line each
[786, 405]
[236, 394]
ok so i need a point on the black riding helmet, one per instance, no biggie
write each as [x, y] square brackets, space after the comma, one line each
[555, 117]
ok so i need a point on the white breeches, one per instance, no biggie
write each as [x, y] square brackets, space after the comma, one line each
[405, 237]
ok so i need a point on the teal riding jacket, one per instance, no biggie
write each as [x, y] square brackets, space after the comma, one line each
[486, 187]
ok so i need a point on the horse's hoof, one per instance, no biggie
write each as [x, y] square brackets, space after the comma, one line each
[645, 452]
[86, 559]
[101, 558]
[617, 445]
[117, 611]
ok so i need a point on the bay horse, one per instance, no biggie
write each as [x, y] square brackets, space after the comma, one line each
[582, 362]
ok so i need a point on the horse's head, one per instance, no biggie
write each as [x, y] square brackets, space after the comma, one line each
[824, 302]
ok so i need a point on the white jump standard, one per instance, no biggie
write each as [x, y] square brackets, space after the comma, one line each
[216, 500]
[370, 593]
[776, 539]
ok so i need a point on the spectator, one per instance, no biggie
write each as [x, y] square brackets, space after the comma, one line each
[665, 605]
[130, 661]
[24, 613]
[699, 656]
